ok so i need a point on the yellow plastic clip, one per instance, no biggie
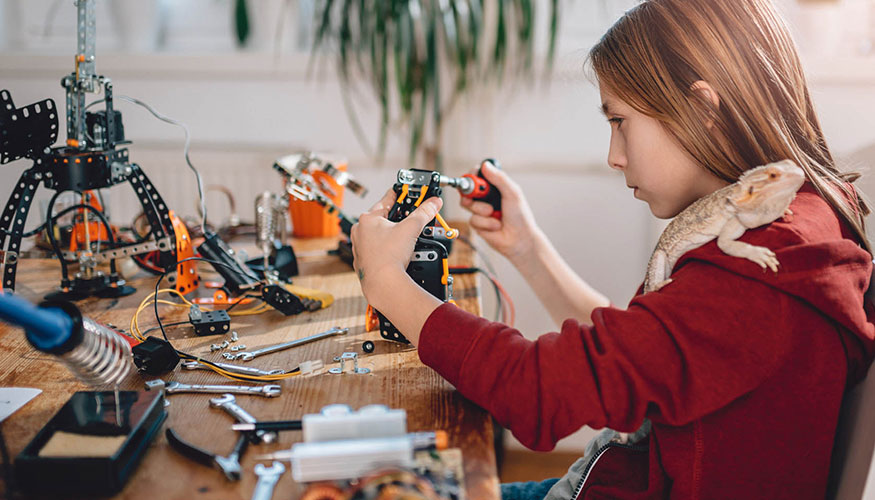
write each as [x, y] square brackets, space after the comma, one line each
[451, 233]
[421, 196]
[403, 195]
[445, 277]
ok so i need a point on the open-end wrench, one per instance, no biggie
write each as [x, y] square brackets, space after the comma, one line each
[229, 465]
[267, 479]
[242, 370]
[228, 403]
[268, 391]
[247, 356]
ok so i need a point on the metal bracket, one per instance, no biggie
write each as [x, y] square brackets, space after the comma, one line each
[355, 368]
[161, 245]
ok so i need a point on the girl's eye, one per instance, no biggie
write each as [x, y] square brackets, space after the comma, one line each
[615, 121]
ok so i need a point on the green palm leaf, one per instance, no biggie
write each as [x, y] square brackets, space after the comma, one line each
[402, 47]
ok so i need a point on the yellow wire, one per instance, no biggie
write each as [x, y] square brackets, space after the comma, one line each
[234, 376]
[148, 301]
[135, 321]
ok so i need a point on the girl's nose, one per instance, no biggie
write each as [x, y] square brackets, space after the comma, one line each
[617, 153]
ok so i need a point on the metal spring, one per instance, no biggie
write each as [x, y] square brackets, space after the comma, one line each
[103, 356]
[270, 213]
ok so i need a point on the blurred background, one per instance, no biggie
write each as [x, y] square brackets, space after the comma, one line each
[241, 76]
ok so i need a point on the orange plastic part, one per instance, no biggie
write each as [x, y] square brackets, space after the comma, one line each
[96, 230]
[372, 321]
[442, 440]
[309, 218]
[323, 491]
[187, 278]
[220, 298]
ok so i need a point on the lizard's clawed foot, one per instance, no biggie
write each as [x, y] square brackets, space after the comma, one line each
[764, 257]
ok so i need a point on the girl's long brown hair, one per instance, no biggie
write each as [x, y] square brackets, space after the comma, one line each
[653, 55]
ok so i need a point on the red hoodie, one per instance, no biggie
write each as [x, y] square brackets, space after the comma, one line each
[741, 371]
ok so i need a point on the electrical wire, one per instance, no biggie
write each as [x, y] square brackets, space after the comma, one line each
[238, 376]
[36, 230]
[500, 292]
[500, 307]
[166, 119]
[212, 366]
[186, 148]
[50, 232]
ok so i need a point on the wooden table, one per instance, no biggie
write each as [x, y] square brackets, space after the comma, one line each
[397, 379]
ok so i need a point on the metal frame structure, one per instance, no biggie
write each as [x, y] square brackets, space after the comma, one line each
[91, 159]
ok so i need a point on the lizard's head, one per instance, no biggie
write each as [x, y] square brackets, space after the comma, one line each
[764, 193]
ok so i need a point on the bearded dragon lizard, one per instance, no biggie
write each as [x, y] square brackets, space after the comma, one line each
[760, 196]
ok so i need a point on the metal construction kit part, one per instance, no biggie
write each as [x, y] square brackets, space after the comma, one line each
[248, 356]
[267, 479]
[228, 403]
[268, 391]
[345, 356]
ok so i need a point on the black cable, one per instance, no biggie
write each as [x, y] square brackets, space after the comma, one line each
[168, 325]
[472, 270]
[36, 230]
[240, 300]
[466, 240]
[50, 229]
[186, 355]
[161, 277]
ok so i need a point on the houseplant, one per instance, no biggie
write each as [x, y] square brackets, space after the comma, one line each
[420, 56]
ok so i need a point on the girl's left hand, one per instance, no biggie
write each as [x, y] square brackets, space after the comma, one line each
[381, 248]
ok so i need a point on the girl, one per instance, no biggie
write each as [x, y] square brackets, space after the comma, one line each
[741, 372]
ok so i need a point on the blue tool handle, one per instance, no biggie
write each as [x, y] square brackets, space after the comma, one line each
[46, 328]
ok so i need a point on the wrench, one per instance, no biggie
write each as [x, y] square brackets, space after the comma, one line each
[267, 479]
[242, 370]
[247, 356]
[228, 403]
[268, 391]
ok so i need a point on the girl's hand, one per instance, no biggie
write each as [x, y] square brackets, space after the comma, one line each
[514, 234]
[382, 249]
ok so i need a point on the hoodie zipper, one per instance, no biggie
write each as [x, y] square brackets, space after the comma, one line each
[595, 459]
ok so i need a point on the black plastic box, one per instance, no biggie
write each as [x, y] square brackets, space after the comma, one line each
[93, 414]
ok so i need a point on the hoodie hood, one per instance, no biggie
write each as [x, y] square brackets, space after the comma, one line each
[821, 263]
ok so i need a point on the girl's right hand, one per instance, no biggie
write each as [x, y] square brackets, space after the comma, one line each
[514, 234]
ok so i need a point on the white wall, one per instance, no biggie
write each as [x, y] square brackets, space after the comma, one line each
[247, 108]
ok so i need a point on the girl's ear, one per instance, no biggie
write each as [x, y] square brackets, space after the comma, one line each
[705, 90]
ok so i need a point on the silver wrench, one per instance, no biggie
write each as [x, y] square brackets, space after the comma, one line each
[228, 403]
[267, 479]
[242, 370]
[247, 356]
[268, 391]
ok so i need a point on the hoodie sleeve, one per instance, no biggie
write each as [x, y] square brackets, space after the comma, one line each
[673, 356]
